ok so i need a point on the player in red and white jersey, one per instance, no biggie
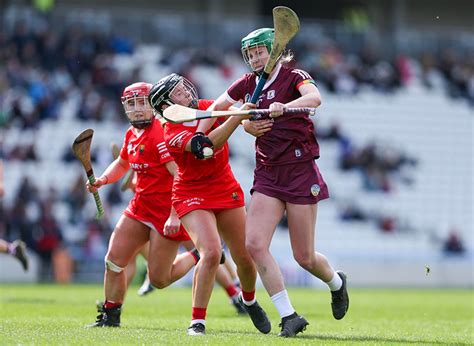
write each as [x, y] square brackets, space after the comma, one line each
[286, 177]
[149, 215]
[209, 202]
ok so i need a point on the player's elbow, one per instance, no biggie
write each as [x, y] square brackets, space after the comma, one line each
[316, 101]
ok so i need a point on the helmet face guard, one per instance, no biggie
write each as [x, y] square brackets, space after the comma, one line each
[261, 37]
[135, 105]
[170, 90]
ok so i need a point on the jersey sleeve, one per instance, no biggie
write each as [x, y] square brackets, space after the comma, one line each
[123, 150]
[204, 104]
[236, 92]
[177, 136]
[301, 77]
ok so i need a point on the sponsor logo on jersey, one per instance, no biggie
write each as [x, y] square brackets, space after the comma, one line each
[297, 152]
[193, 201]
[315, 188]
[130, 149]
[270, 94]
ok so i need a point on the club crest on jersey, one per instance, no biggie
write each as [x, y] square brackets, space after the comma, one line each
[141, 149]
[297, 152]
[235, 195]
[130, 149]
[270, 94]
[315, 188]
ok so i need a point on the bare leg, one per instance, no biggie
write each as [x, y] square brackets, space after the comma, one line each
[164, 267]
[126, 240]
[130, 270]
[201, 226]
[263, 217]
[231, 225]
[3, 246]
[302, 224]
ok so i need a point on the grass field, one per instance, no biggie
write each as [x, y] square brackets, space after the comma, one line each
[48, 314]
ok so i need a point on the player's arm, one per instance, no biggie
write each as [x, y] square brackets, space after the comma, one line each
[173, 223]
[221, 134]
[310, 97]
[112, 173]
[220, 104]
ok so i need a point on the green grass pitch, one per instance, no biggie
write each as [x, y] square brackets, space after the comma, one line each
[56, 315]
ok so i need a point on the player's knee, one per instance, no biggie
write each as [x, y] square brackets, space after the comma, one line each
[159, 282]
[111, 266]
[253, 248]
[212, 255]
[304, 259]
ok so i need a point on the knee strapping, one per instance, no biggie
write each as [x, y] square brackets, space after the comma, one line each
[109, 265]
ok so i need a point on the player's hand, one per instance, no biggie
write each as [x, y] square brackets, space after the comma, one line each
[276, 109]
[247, 105]
[92, 188]
[171, 225]
[258, 128]
[198, 143]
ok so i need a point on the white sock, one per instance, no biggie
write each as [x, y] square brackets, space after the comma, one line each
[282, 303]
[197, 321]
[335, 283]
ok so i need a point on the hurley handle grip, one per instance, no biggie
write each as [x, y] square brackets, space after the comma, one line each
[98, 201]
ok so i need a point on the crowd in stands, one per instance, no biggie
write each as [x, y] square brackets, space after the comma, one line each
[41, 68]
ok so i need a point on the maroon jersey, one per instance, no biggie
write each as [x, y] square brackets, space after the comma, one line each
[292, 136]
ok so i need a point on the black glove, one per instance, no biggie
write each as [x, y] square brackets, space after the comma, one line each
[198, 143]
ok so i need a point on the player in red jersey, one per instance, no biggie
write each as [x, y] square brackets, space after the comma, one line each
[286, 178]
[209, 202]
[149, 215]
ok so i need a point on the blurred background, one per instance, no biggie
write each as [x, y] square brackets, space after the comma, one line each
[395, 126]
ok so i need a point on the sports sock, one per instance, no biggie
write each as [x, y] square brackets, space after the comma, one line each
[281, 300]
[248, 297]
[335, 283]
[195, 253]
[231, 290]
[110, 304]
[198, 316]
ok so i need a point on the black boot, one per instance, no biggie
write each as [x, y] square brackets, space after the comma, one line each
[108, 317]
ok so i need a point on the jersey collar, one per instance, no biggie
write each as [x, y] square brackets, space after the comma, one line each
[271, 80]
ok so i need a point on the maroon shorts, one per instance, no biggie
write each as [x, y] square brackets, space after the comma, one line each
[297, 183]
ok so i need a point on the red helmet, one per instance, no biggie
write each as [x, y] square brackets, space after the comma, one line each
[136, 89]
[136, 106]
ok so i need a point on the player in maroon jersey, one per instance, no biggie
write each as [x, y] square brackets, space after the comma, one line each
[209, 202]
[149, 215]
[286, 177]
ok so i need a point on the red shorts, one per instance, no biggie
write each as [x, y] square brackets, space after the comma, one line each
[226, 198]
[297, 183]
[153, 212]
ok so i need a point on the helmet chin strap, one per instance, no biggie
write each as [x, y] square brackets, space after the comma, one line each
[140, 124]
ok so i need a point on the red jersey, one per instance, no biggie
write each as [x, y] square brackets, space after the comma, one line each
[291, 138]
[200, 184]
[147, 154]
